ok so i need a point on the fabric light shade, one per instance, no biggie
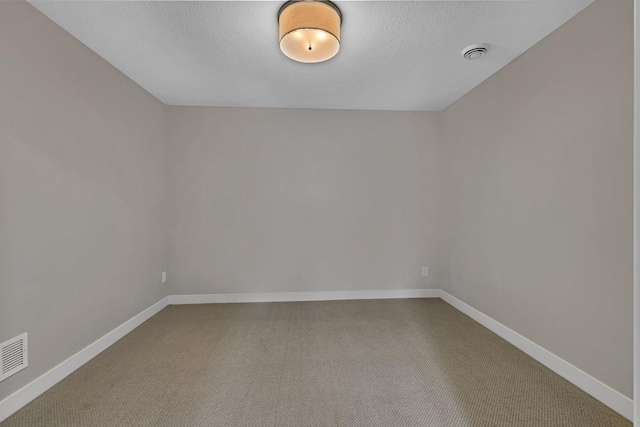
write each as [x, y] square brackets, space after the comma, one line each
[309, 30]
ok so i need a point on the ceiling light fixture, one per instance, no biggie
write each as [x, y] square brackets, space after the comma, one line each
[309, 30]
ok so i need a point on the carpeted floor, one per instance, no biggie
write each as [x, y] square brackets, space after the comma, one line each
[414, 362]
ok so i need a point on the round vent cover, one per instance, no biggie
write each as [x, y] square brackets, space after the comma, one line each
[475, 51]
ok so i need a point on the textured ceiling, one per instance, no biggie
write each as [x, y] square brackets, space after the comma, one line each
[394, 55]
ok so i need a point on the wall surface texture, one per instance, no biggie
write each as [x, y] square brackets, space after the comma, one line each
[636, 184]
[538, 185]
[518, 196]
[82, 208]
[276, 200]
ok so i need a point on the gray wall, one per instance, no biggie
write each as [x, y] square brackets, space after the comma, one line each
[636, 184]
[518, 196]
[537, 187]
[268, 200]
[82, 208]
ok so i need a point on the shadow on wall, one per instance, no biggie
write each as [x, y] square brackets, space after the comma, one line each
[491, 382]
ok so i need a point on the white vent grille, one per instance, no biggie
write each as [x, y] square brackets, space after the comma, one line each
[13, 356]
[475, 51]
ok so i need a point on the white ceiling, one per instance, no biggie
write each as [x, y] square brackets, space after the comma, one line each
[395, 55]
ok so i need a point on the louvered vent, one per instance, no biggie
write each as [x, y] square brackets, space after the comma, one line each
[13, 356]
[475, 51]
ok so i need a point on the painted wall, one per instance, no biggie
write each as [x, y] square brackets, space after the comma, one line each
[268, 200]
[636, 184]
[82, 208]
[537, 186]
[518, 196]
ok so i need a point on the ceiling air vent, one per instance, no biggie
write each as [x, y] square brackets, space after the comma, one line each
[475, 51]
[13, 356]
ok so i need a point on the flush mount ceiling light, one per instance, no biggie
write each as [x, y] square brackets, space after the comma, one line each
[309, 30]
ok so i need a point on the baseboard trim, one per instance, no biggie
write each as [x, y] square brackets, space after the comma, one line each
[607, 395]
[302, 296]
[35, 388]
[610, 397]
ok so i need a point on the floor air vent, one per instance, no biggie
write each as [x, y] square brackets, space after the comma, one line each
[13, 356]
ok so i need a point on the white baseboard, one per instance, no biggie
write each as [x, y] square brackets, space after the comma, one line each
[303, 296]
[35, 388]
[610, 397]
[581, 379]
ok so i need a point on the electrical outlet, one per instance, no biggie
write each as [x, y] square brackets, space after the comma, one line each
[164, 277]
[425, 271]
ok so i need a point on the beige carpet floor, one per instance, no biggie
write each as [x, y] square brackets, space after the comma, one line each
[334, 363]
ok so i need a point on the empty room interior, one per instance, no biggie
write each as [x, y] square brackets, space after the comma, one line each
[314, 213]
